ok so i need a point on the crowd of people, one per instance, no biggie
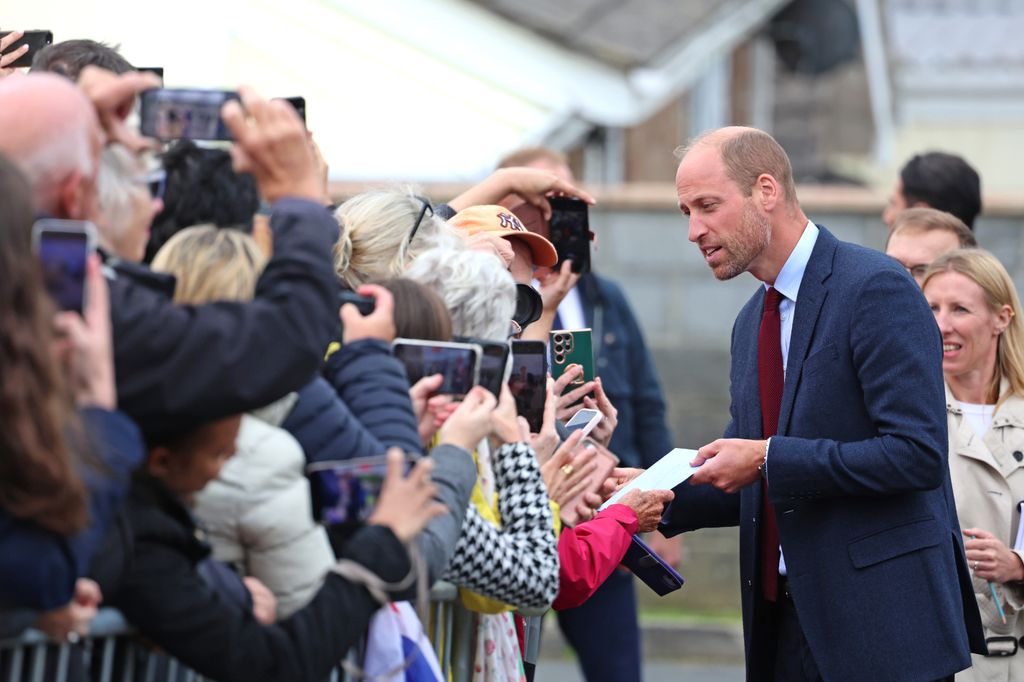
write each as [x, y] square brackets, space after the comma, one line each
[164, 451]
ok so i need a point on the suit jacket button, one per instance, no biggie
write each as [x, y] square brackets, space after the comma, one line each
[750, 584]
[1018, 455]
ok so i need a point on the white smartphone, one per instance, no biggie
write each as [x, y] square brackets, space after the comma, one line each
[63, 247]
[584, 420]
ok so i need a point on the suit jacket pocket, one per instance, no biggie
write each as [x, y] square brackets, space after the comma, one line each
[895, 542]
[820, 359]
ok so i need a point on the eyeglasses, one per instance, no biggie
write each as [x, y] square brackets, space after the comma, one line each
[155, 181]
[419, 218]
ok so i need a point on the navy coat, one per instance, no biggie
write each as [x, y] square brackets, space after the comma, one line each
[858, 475]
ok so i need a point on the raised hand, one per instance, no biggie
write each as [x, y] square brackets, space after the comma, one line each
[471, 421]
[380, 324]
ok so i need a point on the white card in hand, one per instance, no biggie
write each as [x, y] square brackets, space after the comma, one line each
[665, 474]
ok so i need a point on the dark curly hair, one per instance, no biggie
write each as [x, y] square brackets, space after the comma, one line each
[202, 188]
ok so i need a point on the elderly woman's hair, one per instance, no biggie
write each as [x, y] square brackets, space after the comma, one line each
[211, 264]
[419, 312]
[479, 292]
[985, 270]
[376, 241]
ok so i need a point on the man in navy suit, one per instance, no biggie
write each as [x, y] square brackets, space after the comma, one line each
[834, 461]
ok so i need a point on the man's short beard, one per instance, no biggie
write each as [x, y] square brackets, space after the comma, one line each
[753, 239]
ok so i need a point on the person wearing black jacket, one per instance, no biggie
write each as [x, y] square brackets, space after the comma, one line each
[179, 366]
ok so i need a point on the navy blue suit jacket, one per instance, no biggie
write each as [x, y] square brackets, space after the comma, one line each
[858, 476]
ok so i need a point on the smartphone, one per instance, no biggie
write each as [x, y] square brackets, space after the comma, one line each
[528, 381]
[364, 304]
[606, 462]
[36, 40]
[184, 114]
[494, 365]
[158, 71]
[584, 420]
[459, 363]
[572, 347]
[345, 492]
[569, 231]
[63, 247]
[651, 568]
[299, 104]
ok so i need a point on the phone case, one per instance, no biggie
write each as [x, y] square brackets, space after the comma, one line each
[36, 41]
[651, 568]
[606, 462]
[569, 232]
[572, 347]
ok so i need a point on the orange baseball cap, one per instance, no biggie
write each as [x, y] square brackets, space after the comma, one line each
[501, 222]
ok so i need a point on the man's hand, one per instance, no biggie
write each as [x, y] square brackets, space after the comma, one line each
[264, 603]
[113, 96]
[271, 143]
[605, 428]
[380, 324]
[990, 559]
[531, 184]
[729, 463]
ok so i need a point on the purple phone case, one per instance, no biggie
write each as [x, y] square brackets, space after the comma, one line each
[651, 568]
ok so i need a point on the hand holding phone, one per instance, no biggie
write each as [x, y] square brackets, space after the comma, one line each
[89, 341]
[19, 48]
[604, 463]
[378, 324]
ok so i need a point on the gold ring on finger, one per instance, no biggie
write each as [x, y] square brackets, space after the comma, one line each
[567, 469]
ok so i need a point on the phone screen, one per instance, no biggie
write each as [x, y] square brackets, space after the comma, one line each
[457, 365]
[569, 231]
[492, 362]
[172, 114]
[345, 493]
[63, 256]
[528, 381]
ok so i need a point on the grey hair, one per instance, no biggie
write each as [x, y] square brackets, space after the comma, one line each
[374, 229]
[65, 150]
[478, 291]
[115, 185]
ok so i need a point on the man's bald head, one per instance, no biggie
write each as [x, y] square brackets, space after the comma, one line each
[747, 153]
[50, 130]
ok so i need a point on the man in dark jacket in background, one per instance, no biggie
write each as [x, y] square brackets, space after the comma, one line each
[641, 438]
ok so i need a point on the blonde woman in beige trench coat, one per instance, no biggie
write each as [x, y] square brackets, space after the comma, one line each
[978, 313]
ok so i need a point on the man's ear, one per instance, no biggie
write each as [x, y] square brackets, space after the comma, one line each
[768, 192]
[71, 199]
[158, 463]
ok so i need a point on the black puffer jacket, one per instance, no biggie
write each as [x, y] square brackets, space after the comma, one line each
[151, 576]
[359, 408]
[179, 366]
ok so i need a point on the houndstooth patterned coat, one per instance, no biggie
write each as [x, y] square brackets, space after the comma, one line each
[517, 563]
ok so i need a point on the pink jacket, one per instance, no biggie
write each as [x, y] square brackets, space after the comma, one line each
[588, 553]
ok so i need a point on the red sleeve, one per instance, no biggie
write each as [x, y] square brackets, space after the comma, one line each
[588, 553]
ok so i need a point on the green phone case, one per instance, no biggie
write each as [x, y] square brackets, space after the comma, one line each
[572, 347]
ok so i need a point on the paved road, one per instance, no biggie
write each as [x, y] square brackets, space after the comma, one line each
[660, 671]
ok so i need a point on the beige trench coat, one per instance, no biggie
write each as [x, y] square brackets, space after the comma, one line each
[988, 485]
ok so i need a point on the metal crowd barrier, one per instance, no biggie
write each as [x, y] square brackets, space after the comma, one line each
[112, 652]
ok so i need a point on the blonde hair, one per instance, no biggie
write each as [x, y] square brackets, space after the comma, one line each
[211, 264]
[985, 270]
[374, 235]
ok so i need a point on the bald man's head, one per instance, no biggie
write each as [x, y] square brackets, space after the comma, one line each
[50, 130]
[746, 153]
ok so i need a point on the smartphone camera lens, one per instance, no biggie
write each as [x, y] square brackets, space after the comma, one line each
[559, 358]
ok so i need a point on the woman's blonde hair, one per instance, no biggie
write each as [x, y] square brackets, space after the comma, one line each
[376, 240]
[211, 264]
[985, 270]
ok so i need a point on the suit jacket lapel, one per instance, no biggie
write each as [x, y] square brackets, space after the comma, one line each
[810, 297]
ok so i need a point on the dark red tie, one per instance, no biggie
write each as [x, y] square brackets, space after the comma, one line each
[770, 379]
